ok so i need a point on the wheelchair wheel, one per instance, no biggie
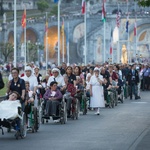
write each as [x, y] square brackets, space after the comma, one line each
[41, 113]
[84, 106]
[63, 113]
[77, 108]
[17, 134]
[122, 98]
[23, 127]
[36, 122]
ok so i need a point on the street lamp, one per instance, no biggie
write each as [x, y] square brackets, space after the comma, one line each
[140, 57]
[37, 43]
[28, 42]
[136, 57]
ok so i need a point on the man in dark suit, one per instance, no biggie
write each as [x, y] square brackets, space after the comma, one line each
[132, 81]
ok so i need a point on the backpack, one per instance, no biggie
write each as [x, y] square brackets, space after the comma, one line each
[1, 82]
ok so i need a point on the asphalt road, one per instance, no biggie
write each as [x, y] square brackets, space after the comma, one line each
[120, 128]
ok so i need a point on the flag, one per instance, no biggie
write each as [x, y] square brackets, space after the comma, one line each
[127, 23]
[103, 11]
[135, 28]
[23, 21]
[56, 1]
[46, 25]
[62, 28]
[83, 6]
[111, 42]
[118, 19]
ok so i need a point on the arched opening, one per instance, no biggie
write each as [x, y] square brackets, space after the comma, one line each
[30, 36]
[52, 43]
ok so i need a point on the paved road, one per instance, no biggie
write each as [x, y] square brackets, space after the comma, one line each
[121, 128]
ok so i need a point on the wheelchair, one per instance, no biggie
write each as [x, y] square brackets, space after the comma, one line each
[110, 98]
[61, 112]
[83, 101]
[122, 94]
[33, 120]
[74, 108]
[115, 96]
[14, 118]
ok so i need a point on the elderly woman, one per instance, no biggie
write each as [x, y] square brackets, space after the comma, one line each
[96, 91]
[52, 98]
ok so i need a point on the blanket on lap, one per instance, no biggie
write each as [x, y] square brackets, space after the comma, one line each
[9, 109]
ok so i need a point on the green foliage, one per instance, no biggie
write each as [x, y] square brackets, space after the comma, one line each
[6, 49]
[42, 5]
[32, 51]
[144, 3]
[54, 10]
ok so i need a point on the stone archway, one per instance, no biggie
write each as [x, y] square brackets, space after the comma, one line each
[52, 43]
[31, 36]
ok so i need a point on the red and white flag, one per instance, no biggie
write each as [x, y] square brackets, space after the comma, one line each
[104, 11]
[83, 6]
[135, 28]
[118, 19]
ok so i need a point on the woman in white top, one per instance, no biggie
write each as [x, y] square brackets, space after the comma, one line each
[96, 91]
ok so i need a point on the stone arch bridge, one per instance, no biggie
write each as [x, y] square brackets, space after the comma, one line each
[95, 30]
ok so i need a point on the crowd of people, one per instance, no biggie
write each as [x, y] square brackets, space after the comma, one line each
[96, 79]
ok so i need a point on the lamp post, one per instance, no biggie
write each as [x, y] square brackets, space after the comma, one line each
[28, 50]
[38, 44]
[136, 57]
[140, 57]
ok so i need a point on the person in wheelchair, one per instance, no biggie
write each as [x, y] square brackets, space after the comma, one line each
[10, 114]
[29, 98]
[69, 89]
[107, 86]
[117, 85]
[13, 96]
[52, 98]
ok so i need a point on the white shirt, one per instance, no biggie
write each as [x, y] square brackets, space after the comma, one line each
[32, 80]
[59, 79]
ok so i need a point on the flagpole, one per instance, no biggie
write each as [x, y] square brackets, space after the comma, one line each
[136, 33]
[15, 33]
[128, 35]
[118, 44]
[46, 44]
[85, 42]
[63, 42]
[68, 45]
[104, 43]
[25, 55]
[104, 25]
[59, 1]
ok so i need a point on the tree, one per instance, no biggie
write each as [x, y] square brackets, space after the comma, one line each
[32, 53]
[54, 10]
[42, 5]
[144, 3]
[6, 49]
